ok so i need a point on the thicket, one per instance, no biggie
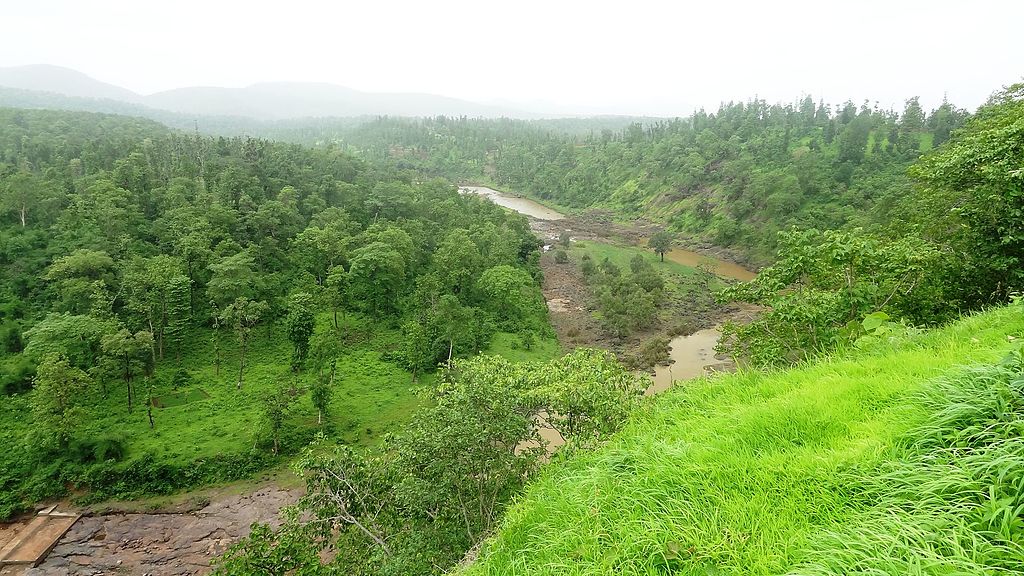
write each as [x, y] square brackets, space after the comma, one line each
[439, 487]
[734, 176]
[130, 249]
[950, 245]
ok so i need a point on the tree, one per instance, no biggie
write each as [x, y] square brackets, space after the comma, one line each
[337, 291]
[76, 274]
[456, 262]
[178, 312]
[323, 248]
[452, 320]
[300, 322]
[510, 293]
[232, 277]
[586, 394]
[564, 239]
[661, 242]
[376, 276]
[147, 283]
[128, 355]
[243, 315]
[73, 337]
[322, 390]
[971, 198]
[417, 348]
[465, 455]
[58, 390]
[276, 406]
[22, 193]
[823, 281]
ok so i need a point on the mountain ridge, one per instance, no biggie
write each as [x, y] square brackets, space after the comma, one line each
[272, 100]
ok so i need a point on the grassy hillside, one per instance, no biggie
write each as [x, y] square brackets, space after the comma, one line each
[902, 460]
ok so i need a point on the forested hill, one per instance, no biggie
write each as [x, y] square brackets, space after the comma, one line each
[160, 290]
[734, 177]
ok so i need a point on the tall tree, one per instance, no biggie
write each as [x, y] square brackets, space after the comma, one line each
[232, 277]
[22, 193]
[300, 322]
[58, 391]
[276, 404]
[243, 315]
[128, 355]
[178, 313]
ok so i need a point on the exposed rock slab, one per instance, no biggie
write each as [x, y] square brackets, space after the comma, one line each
[171, 544]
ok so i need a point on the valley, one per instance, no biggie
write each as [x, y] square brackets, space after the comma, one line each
[289, 327]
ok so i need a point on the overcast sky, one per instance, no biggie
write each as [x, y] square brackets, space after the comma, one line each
[627, 56]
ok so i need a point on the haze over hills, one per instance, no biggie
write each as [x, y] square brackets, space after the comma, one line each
[60, 80]
[263, 101]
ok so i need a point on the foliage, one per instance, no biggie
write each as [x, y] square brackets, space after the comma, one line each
[878, 461]
[971, 199]
[299, 323]
[661, 242]
[439, 486]
[112, 228]
[823, 281]
[56, 401]
[734, 176]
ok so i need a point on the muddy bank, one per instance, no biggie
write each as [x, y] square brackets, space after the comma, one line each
[601, 225]
[171, 544]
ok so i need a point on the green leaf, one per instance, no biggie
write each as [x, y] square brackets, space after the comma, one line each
[874, 320]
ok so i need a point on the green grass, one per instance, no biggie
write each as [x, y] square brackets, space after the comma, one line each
[210, 417]
[621, 256]
[768, 473]
[510, 346]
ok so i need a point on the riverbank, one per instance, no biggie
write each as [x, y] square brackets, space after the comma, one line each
[685, 333]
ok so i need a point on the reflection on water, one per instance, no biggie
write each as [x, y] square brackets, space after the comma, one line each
[690, 355]
[521, 205]
[720, 268]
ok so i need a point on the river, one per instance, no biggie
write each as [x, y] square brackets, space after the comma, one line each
[521, 205]
[690, 355]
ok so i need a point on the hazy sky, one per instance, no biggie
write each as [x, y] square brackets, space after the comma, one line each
[628, 56]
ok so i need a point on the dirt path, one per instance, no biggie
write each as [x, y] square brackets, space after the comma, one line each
[154, 543]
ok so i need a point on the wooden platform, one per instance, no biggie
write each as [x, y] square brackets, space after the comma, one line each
[27, 543]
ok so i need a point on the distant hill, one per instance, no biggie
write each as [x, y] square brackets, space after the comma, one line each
[60, 80]
[281, 100]
[264, 101]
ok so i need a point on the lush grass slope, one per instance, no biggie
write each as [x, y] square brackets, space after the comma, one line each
[893, 461]
[208, 429]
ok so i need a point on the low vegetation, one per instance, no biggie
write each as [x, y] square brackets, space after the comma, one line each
[902, 458]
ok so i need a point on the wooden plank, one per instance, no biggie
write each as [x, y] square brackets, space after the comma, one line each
[35, 545]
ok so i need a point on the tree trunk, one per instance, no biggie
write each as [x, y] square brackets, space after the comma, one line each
[21, 213]
[241, 367]
[128, 380]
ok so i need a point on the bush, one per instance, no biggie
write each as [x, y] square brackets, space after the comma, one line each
[561, 257]
[16, 376]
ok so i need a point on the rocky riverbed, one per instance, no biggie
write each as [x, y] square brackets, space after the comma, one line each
[161, 544]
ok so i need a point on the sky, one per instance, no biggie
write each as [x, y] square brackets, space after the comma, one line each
[625, 57]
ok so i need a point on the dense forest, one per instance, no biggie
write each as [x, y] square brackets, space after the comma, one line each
[146, 268]
[735, 176]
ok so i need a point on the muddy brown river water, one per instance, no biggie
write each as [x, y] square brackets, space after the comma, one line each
[691, 356]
